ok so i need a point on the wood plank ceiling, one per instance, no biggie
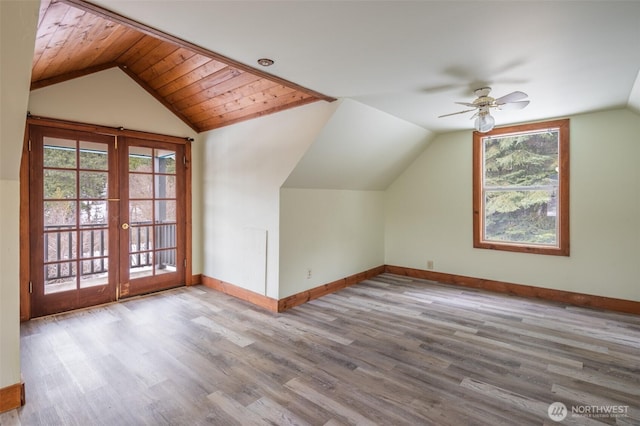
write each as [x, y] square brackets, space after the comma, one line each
[204, 89]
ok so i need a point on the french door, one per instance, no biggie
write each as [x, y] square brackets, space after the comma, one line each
[152, 211]
[107, 218]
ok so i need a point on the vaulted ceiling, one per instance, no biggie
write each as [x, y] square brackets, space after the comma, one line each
[410, 59]
[204, 89]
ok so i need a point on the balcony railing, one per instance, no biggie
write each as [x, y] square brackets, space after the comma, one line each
[61, 249]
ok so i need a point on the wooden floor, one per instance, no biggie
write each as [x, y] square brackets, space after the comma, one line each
[388, 351]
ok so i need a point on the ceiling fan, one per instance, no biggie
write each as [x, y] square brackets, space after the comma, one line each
[483, 104]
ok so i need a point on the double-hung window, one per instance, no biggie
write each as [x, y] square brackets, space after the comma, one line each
[521, 188]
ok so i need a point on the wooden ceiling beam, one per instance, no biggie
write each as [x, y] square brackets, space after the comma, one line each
[227, 120]
[38, 84]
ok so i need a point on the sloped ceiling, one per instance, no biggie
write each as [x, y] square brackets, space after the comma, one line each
[204, 89]
[414, 59]
[411, 59]
[359, 148]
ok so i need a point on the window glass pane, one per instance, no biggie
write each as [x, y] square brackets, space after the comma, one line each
[165, 186]
[140, 186]
[520, 217]
[140, 159]
[59, 184]
[93, 156]
[60, 153]
[521, 160]
[521, 188]
[59, 213]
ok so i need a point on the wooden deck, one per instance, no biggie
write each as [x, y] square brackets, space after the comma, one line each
[388, 351]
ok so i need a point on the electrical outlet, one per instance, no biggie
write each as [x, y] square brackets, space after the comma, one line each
[429, 264]
[308, 273]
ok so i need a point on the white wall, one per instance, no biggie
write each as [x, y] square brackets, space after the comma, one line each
[108, 98]
[18, 22]
[244, 167]
[331, 210]
[334, 233]
[429, 213]
[111, 98]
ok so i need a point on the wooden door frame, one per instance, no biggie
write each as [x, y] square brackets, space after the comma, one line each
[25, 164]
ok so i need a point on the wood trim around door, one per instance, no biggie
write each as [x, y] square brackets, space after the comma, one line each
[105, 130]
[25, 247]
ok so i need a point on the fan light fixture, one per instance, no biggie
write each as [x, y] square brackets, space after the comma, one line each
[484, 122]
[482, 106]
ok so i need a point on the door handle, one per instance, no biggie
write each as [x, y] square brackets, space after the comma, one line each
[125, 226]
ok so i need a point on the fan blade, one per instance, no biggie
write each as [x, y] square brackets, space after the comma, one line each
[511, 97]
[466, 104]
[513, 105]
[454, 113]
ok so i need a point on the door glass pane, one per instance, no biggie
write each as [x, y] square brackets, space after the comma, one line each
[165, 186]
[59, 277]
[140, 159]
[140, 212]
[94, 243]
[165, 236]
[141, 264]
[59, 184]
[140, 186]
[140, 238]
[93, 156]
[59, 153]
[59, 214]
[165, 211]
[165, 161]
[94, 185]
[165, 261]
[93, 213]
[60, 245]
[94, 272]
[140, 246]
